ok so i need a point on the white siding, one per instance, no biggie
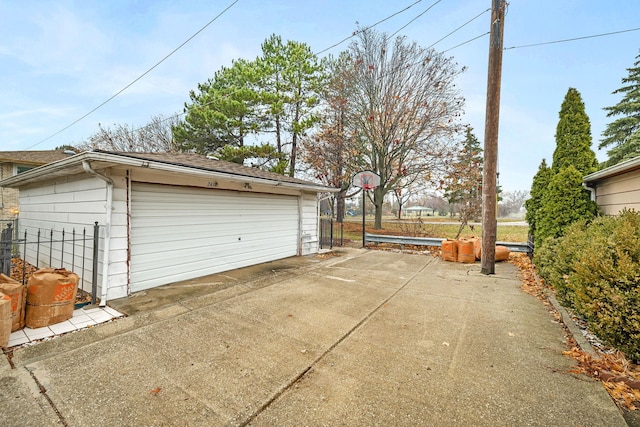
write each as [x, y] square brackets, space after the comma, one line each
[75, 203]
[309, 224]
[179, 233]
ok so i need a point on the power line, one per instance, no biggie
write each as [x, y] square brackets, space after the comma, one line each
[461, 26]
[468, 41]
[452, 32]
[336, 44]
[138, 78]
[409, 23]
[573, 39]
[176, 115]
[355, 33]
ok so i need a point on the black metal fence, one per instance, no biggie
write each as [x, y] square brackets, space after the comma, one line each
[329, 237]
[23, 251]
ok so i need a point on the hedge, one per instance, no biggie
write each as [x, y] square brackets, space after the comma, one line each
[595, 270]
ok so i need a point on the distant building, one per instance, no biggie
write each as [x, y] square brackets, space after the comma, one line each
[417, 211]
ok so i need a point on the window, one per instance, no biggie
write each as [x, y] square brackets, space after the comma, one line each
[22, 168]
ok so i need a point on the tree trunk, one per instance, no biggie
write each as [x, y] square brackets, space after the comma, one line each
[340, 205]
[294, 143]
[378, 200]
[292, 162]
[278, 137]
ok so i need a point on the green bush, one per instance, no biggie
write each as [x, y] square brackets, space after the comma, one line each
[556, 260]
[595, 269]
[564, 202]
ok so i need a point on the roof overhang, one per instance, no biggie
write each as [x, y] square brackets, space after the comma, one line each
[101, 160]
[619, 169]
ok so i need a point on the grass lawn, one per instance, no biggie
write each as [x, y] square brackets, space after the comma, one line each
[353, 229]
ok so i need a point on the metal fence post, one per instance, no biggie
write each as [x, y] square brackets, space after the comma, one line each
[5, 250]
[94, 281]
[331, 241]
[24, 258]
[62, 251]
[84, 249]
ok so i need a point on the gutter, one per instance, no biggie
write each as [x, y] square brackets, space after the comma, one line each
[620, 168]
[86, 165]
[116, 160]
[591, 190]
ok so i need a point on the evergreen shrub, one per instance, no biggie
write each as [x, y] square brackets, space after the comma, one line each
[595, 270]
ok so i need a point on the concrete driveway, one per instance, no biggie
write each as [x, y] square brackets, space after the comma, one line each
[365, 338]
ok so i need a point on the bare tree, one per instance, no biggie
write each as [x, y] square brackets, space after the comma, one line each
[405, 190]
[405, 107]
[333, 151]
[155, 137]
[512, 202]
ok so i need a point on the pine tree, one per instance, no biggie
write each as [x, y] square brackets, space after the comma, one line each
[538, 188]
[223, 112]
[564, 202]
[623, 134]
[573, 137]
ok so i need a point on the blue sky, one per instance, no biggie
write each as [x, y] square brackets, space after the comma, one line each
[60, 59]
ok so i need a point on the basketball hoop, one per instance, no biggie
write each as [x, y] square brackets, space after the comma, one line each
[366, 180]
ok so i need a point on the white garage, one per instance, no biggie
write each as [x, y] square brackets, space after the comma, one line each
[179, 233]
[170, 217]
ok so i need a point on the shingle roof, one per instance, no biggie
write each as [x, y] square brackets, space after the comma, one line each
[187, 163]
[36, 158]
[202, 162]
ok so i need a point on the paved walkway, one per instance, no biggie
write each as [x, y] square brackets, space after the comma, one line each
[368, 338]
[81, 318]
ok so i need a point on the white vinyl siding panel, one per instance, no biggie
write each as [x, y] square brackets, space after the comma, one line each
[309, 223]
[180, 233]
[76, 203]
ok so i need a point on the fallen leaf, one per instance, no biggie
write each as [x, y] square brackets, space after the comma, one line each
[155, 391]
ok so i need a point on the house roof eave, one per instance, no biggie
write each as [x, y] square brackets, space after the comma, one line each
[101, 160]
[620, 168]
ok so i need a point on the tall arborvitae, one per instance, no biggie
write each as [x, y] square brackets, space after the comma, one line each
[573, 137]
[558, 197]
[564, 203]
[623, 134]
[538, 188]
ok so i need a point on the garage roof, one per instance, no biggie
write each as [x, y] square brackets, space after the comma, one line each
[187, 163]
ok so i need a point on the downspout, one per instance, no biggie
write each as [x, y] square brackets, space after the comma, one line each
[107, 229]
[300, 231]
[591, 190]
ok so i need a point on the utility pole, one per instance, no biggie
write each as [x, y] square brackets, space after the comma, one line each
[489, 193]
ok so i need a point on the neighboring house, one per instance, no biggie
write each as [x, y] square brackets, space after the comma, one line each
[171, 217]
[616, 187]
[14, 162]
[417, 211]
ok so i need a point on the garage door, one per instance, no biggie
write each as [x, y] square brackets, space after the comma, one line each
[179, 233]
